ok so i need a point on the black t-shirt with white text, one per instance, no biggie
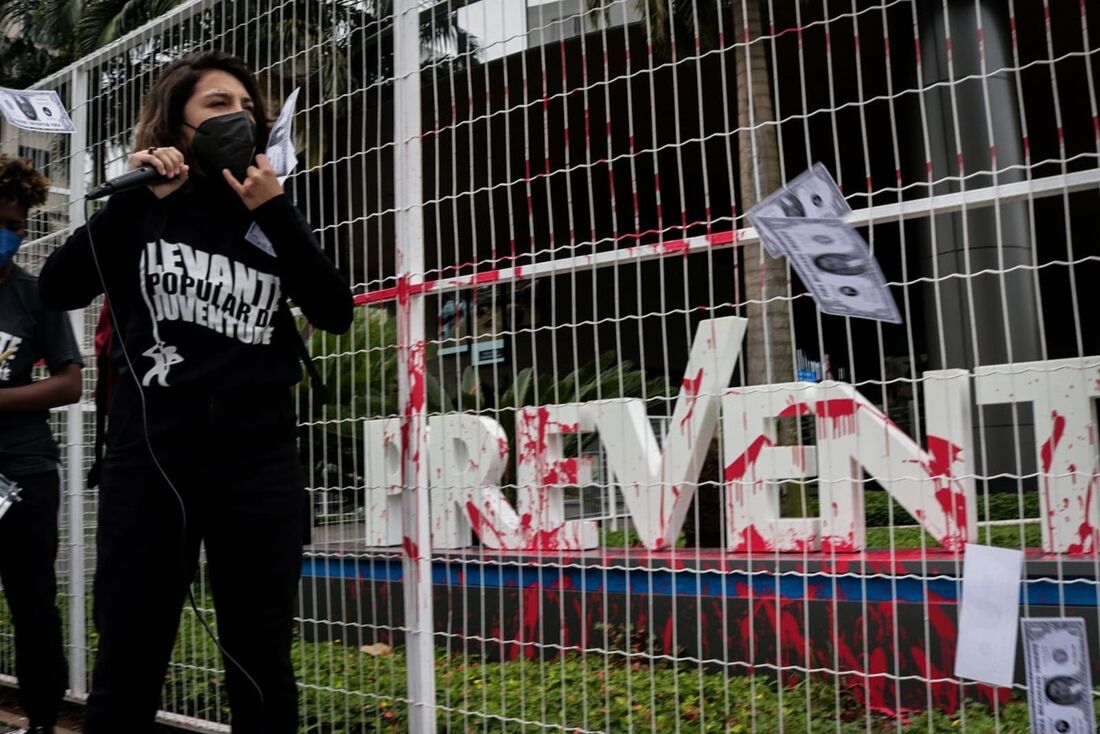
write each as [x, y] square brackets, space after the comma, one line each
[199, 307]
[29, 334]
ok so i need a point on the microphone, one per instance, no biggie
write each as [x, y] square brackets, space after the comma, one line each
[129, 180]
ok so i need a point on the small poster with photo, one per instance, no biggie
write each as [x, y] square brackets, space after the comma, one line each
[453, 323]
[470, 319]
[38, 110]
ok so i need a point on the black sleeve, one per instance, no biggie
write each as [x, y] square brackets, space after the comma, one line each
[308, 276]
[59, 346]
[69, 279]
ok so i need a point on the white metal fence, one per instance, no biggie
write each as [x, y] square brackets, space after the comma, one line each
[538, 203]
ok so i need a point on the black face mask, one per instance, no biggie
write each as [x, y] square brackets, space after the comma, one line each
[225, 141]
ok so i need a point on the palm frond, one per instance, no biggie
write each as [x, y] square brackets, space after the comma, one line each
[21, 62]
[13, 12]
[102, 21]
[49, 23]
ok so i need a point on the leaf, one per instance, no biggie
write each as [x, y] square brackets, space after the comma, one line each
[516, 395]
[471, 383]
[437, 400]
[574, 386]
[378, 650]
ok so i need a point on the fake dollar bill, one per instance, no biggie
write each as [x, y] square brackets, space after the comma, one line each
[836, 266]
[39, 110]
[1059, 679]
[812, 195]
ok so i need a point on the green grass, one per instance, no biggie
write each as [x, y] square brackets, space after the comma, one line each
[628, 538]
[906, 537]
[582, 692]
[1004, 536]
[346, 691]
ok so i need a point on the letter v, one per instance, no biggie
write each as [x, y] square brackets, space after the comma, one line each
[658, 486]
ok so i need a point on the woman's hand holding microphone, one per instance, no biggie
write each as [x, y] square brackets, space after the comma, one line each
[169, 163]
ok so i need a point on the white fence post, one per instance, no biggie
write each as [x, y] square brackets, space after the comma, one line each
[417, 569]
[74, 433]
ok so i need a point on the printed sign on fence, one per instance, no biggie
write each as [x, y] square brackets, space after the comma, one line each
[38, 110]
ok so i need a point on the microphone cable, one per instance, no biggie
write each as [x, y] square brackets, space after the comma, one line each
[156, 462]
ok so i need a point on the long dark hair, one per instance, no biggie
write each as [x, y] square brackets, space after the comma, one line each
[161, 121]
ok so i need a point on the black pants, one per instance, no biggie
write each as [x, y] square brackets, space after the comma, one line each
[234, 463]
[28, 550]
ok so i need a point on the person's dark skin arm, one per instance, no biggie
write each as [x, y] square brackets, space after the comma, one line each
[60, 388]
[63, 386]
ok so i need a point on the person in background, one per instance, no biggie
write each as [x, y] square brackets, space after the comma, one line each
[28, 452]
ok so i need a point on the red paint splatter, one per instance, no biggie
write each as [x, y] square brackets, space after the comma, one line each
[691, 388]
[795, 409]
[1088, 535]
[411, 549]
[1046, 458]
[839, 543]
[666, 635]
[722, 238]
[952, 498]
[534, 427]
[1046, 452]
[399, 293]
[751, 541]
[800, 544]
[942, 455]
[842, 413]
[739, 467]
[532, 614]
[671, 247]
[489, 276]
[482, 525]
[953, 505]
[561, 472]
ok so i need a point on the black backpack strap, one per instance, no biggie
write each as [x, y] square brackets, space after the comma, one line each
[103, 385]
[316, 383]
[320, 392]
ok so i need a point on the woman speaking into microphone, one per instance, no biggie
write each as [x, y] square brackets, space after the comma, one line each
[201, 434]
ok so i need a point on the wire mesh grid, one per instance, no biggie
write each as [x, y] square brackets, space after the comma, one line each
[540, 206]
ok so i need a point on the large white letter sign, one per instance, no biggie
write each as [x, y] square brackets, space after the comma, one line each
[466, 456]
[936, 486]
[752, 495]
[658, 486]
[1062, 393]
[543, 471]
[382, 511]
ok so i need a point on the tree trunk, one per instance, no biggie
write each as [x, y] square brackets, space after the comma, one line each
[769, 351]
[768, 355]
